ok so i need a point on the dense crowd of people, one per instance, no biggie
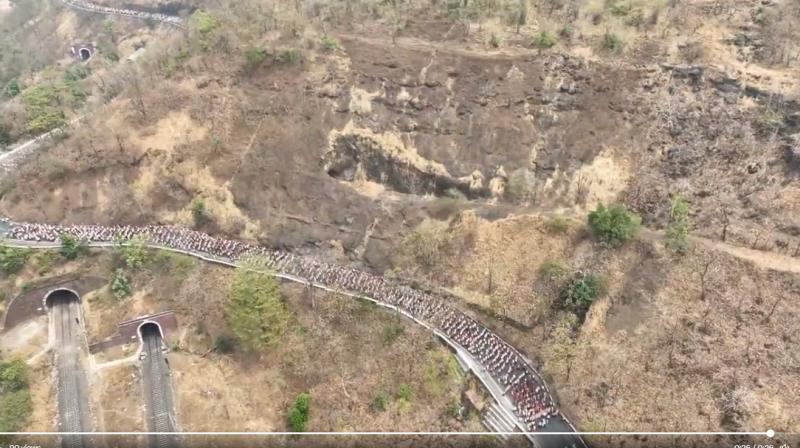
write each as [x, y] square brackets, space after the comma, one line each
[92, 7]
[534, 405]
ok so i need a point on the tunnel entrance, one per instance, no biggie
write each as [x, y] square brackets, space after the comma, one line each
[149, 329]
[85, 54]
[60, 296]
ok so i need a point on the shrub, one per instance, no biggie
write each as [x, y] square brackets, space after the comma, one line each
[455, 409]
[298, 418]
[205, 22]
[614, 225]
[13, 375]
[553, 270]
[428, 245]
[199, 212]
[380, 401]
[404, 394]
[621, 8]
[255, 309]
[70, 246]
[12, 259]
[679, 223]
[134, 252]
[224, 344]
[40, 104]
[545, 39]
[254, 57]
[494, 41]
[581, 291]
[12, 89]
[5, 134]
[120, 285]
[15, 409]
[612, 42]
[290, 56]
[770, 121]
[329, 44]
[559, 224]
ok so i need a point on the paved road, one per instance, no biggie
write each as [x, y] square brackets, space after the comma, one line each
[73, 406]
[157, 391]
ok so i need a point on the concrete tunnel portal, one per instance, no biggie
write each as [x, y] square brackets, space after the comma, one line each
[60, 296]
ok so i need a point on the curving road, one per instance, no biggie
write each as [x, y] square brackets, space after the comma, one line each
[157, 391]
[72, 387]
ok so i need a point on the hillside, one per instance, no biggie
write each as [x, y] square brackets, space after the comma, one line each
[460, 146]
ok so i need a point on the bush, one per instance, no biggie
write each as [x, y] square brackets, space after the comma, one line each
[134, 252]
[224, 344]
[254, 57]
[545, 39]
[205, 22]
[298, 418]
[199, 212]
[582, 290]
[621, 8]
[679, 223]
[612, 42]
[329, 44]
[70, 246]
[614, 225]
[5, 135]
[40, 104]
[15, 409]
[559, 224]
[553, 271]
[12, 89]
[120, 285]
[404, 393]
[255, 309]
[15, 403]
[290, 56]
[380, 401]
[13, 375]
[12, 259]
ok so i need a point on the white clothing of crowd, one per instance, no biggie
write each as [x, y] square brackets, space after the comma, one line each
[534, 405]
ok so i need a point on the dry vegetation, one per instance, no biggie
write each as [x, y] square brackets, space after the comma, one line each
[541, 106]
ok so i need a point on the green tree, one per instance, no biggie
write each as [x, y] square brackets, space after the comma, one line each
[120, 285]
[614, 225]
[255, 310]
[679, 224]
[41, 107]
[298, 417]
[13, 375]
[70, 246]
[581, 291]
[134, 252]
[12, 259]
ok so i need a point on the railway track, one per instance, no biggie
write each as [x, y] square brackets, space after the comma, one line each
[72, 386]
[158, 394]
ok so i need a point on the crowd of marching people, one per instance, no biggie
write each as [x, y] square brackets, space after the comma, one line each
[534, 405]
[92, 7]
